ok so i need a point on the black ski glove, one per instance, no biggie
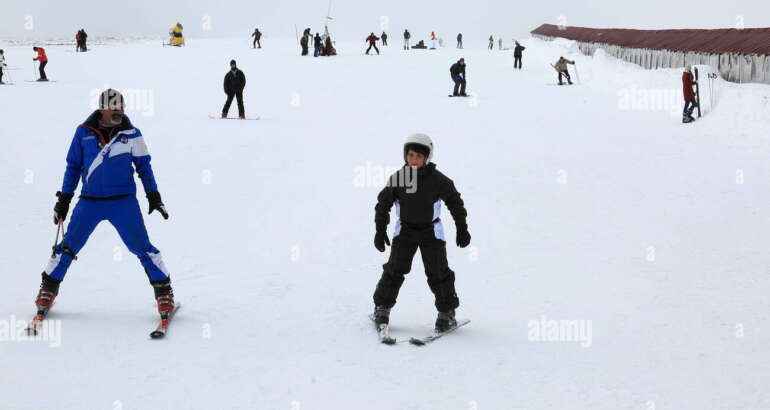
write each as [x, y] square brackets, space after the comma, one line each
[156, 203]
[62, 207]
[463, 237]
[380, 239]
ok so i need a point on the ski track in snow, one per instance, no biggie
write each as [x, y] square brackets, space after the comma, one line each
[654, 231]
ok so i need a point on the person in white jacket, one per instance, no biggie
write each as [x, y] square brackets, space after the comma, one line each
[2, 65]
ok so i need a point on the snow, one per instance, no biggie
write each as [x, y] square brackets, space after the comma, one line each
[583, 205]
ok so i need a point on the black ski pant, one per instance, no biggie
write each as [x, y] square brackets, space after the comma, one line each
[1, 73]
[256, 43]
[42, 70]
[371, 44]
[459, 86]
[304, 50]
[459, 44]
[239, 97]
[384, 41]
[517, 62]
[689, 105]
[441, 279]
[566, 75]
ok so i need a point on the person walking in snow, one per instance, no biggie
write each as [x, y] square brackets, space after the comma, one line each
[407, 36]
[372, 39]
[561, 69]
[3, 65]
[235, 82]
[688, 82]
[517, 53]
[491, 43]
[457, 72]
[257, 35]
[43, 60]
[459, 40]
[105, 153]
[384, 37]
[417, 190]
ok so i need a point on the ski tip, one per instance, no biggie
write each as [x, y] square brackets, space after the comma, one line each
[416, 342]
[157, 335]
[389, 341]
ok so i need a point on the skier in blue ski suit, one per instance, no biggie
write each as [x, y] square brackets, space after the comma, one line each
[104, 154]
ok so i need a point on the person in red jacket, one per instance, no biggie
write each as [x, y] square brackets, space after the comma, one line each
[43, 59]
[372, 39]
[688, 82]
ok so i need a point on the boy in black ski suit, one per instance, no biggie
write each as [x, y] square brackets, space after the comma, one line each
[417, 191]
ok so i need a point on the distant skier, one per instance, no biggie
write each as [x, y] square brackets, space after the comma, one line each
[317, 45]
[690, 103]
[517, 53]
[384, 37]
[105, 153]
[372, 39]
[500, 43]
[257, 36]
[304, 44]
[561, 69]
[491, 43]
[43, 60]
[3, 65]
[459, 40]
[433, 40]
[407, 36]
[419, 226]
[457, 72]
[84, 36]
[78, 41]
[235, 82]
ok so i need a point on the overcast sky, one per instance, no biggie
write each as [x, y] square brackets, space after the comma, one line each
[354, 18]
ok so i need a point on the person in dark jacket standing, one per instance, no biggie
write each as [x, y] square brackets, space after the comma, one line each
[105, 154]
[372, 39]
[417, 190]
[688, 82]
[317, 45]
[517, 55]
[304, 42]
[459, 40]
[84, 36]
[407, 36]
[457, 71]
[257, 35]
[384, 38]
[235, 82]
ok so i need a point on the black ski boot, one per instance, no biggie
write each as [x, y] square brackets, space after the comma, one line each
[445, 321]
[381, 315]
[49, 288]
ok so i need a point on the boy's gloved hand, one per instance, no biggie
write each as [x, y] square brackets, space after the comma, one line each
[380, 239]
[156, 204]
[463, 236]
[62, 207]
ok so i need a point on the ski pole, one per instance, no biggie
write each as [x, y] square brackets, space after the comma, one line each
[56, 241]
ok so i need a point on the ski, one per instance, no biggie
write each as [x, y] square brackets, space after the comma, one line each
[383, 332]
[36, 323]
[214, 117]
[160, 331]
[452, 95]
[428, 339]
[38, 81]
[697, 91]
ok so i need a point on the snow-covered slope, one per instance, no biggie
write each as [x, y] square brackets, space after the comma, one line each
[583, 205]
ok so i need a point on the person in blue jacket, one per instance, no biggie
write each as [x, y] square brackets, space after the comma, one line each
[104, 154]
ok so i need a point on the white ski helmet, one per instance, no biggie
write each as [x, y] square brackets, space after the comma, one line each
[420, 139]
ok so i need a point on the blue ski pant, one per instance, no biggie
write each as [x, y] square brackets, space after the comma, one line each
[126, 216]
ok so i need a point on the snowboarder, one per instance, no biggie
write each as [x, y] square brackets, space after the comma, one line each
[257, 35]
[419, 226]
[561, 69]
[372, 39]
[433, 40]
[304, 44]
[43, 60]
[457, 72]
[235, 82]
[317, 45]
[2, 65]
[688, 82]
[459, 40]
[491, 43]
[517, 55]
[407, 36]
[384, 37]
[105, 152]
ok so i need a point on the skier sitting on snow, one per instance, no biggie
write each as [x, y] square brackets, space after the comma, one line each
[457, 72]
[105, 152]
[372, 39]
[688, 82]
[561, 68]
[418, 205]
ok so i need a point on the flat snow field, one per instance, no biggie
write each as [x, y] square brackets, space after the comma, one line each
[590, 203]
